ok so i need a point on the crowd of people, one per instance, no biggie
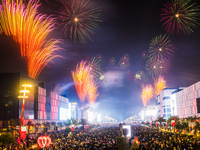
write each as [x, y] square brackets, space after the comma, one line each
[153, 139]
[105, 138]
[94, 139]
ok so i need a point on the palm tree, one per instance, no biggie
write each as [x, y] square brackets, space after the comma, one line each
[175, 118]
[160, 120]
[75, 121]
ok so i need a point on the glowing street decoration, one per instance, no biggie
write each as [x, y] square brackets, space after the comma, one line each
[136, 141]
[44, 141]
[23, 132]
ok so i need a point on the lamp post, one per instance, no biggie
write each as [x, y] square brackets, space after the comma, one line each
[23, 102]
[24, 97]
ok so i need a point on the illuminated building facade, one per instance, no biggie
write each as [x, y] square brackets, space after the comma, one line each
[165, 103]
[188, 101]
[10, 105]
[151, 113]
[89, 114]
[42, 104]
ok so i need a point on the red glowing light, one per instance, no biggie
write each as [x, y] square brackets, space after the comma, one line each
[44, 141]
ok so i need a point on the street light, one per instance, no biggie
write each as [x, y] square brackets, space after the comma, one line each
[24, 97]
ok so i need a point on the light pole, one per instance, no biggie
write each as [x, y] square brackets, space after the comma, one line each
[24, 97]
[23, 102]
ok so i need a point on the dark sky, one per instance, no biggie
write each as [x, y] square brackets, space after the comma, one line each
[127, 28]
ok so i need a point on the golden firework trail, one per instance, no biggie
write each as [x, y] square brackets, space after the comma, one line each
[159, 85]
[30, 29]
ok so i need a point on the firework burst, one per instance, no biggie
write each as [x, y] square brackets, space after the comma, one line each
[159, 85]
[30, 29]
[81, 78]
[140, 77]
[79, 19]
[86, 78]
[155, 67]
[147, 93]
[144, 54]
[112, 60]
[161, 47]
[92, 92]
[124, 61]
[95, 68]
[180, 16]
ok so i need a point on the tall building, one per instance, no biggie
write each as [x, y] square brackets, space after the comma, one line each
[164, 103]
[42, 104]
[10, 104]
[188, 101]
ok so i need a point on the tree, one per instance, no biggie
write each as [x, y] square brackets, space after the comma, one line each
[14, 122]
[175, 118]
[185, 125]
[68, 129]
[7, 138]
[197, 126]
[75, 121]
[160, 120]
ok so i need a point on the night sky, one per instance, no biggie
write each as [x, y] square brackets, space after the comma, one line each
[127, 28]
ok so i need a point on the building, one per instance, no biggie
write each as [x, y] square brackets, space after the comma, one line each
[165, 103]
[188, 101]
[149, 113]
[42, 104]
[89, 114]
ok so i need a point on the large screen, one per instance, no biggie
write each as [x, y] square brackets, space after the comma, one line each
[128, 127]
[65, 114]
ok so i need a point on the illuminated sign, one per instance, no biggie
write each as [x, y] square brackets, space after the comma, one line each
[65, 114]
[23, 132]
[128, 127]
[44, 141]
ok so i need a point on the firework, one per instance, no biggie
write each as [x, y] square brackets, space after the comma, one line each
[180, 16]
[140, 77]
[155, 67]
[79, 19]
[159, 85]
[112, 60]
[95, 67]
[30, 29]
[124, 62]
[92, 92]
[144, 54]
[161, 48]
[99, 56]
[147, 93]
[125, 56]
[81, 78]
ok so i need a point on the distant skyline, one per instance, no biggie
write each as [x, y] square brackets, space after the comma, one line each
[128, 27]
